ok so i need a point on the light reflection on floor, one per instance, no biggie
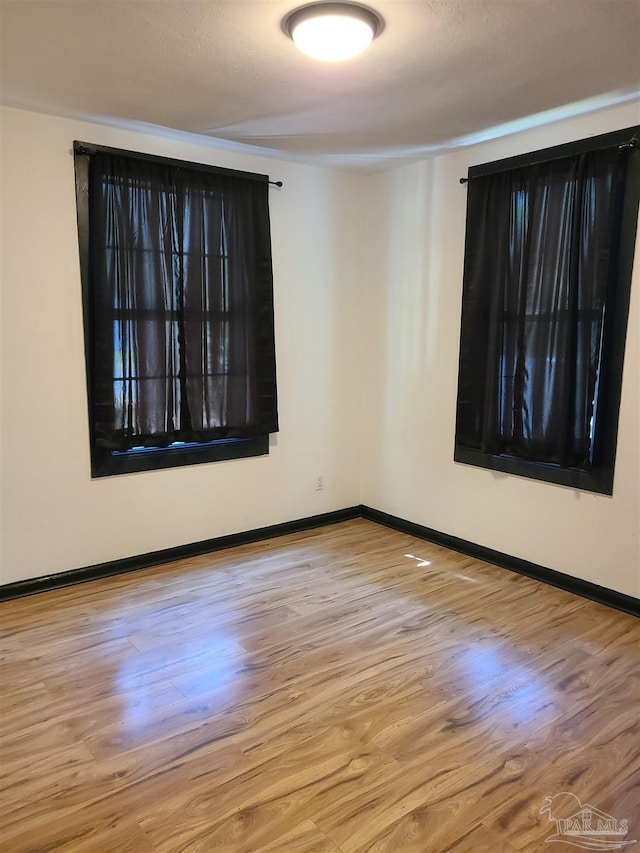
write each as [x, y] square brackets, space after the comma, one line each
[220, 662]
[420, 560]
[477, 666]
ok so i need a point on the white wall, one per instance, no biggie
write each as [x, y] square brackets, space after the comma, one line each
[368, 279]
[55, 517]
[416, 228]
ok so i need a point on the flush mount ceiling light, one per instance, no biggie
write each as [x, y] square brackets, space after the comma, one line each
[332, 31]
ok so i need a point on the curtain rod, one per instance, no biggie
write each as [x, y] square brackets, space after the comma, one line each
[634, 142]
[86, 148]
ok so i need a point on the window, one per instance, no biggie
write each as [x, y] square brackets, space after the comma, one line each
[548, 256]
[178, 311]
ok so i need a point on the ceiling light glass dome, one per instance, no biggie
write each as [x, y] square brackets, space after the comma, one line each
[332, 32]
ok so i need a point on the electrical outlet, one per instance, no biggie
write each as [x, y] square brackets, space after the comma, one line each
[319, 483]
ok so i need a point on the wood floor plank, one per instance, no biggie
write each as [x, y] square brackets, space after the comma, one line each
[265, 801]
[349, 689]
[86, 834]
[305, 838]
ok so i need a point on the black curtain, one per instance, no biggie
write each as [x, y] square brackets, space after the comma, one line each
[540, 260]
[182, 338]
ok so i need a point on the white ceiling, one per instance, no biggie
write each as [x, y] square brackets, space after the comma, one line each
[441, 71]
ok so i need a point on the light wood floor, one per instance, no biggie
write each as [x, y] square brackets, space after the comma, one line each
[344, 690]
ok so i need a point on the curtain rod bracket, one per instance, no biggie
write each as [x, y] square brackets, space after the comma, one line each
[632, 143]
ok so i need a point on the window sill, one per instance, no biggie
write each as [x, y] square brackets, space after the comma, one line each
[596, 480]
[104, 463]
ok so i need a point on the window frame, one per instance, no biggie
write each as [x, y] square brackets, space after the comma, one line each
[105, 462]
[599, 477]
